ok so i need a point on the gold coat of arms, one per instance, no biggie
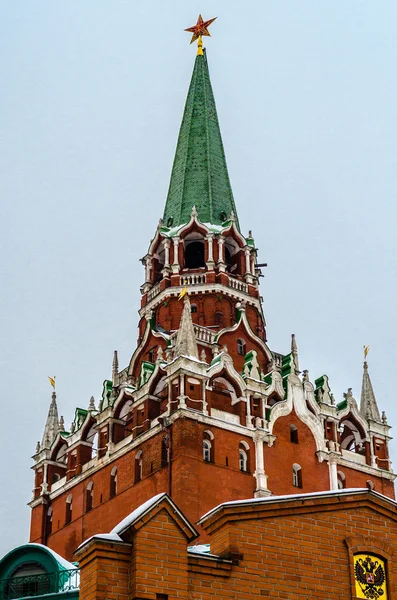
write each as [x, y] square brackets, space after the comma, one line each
[370, 577]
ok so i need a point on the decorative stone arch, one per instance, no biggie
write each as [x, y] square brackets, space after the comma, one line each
[88, 430]
[158, 383]
[223, 383]
[158, 238]
[122, 406]
[137, 357]
[59, 451]
[224, 368]
[233, 232]
[248, 333]
[352, 433]
[352, 414]
[193, 225]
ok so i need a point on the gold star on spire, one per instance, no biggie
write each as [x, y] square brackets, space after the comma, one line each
[198, 30]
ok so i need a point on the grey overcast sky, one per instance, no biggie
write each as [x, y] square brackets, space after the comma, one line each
[91, 102]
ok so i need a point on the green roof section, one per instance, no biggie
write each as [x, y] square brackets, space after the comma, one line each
[199, 174]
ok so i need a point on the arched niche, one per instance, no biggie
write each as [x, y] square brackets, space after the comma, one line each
[194, 251]
[233, 256]
[158, 262]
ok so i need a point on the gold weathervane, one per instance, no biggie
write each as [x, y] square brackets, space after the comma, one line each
[366, 350]
[198, 30]
[52, 381]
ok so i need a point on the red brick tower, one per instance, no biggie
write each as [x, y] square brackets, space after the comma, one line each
[204, 411]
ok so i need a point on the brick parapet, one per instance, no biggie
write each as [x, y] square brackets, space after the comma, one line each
[105, 572]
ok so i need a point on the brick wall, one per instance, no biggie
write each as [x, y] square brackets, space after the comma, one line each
[293, 548]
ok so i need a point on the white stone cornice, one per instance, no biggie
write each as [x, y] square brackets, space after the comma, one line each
[363, 468]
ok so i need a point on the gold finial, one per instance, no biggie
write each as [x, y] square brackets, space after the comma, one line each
[52, 381]
[366, 350]
[200, 46]
[198, 31]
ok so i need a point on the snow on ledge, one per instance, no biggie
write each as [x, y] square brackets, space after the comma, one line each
[112, 537]
[137, 513]
[308, 495]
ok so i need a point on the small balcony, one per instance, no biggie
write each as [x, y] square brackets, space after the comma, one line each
[35, 586]
[193, 279]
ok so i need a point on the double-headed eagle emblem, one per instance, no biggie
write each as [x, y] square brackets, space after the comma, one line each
[370, 576]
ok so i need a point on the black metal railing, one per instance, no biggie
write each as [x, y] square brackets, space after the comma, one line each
[37, 585]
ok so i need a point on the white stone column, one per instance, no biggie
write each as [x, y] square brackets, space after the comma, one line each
[175, 265]
[373, 455]
[167, 244]
[333, 473]
[205, 403]
[248, 275]
[249, 416]
[247, 260]
[221, 254]
[221, 241]
[260, 475]
[210, 241]
[44, 485]
[148, 268]
[169, 399]
[182, 397]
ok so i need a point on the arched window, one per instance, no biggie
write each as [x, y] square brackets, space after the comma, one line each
[68, 513]
[208, 450]
[28, 579]
[193, 308]
[55, 477]
[194, 254]
[138, 466]
[241, 346]
[49, 521]
[293, 434]
[113, 482]
[89, 496]
[341, 480]
[243, 455]
[243, 459]
[296, 476]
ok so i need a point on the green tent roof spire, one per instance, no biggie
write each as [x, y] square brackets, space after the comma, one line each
[199, 173]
